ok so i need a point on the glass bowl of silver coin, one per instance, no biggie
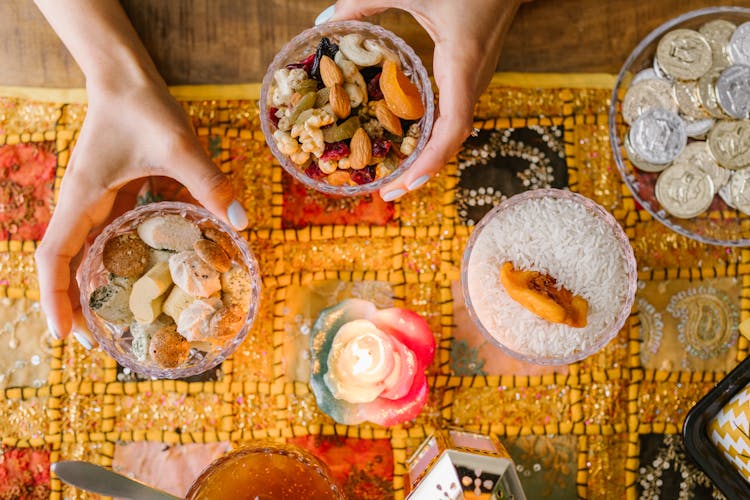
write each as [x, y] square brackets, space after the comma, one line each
[679, 124]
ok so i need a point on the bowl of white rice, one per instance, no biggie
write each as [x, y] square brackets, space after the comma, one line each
[563, 235]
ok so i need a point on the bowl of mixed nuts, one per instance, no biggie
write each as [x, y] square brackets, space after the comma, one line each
[346, 107]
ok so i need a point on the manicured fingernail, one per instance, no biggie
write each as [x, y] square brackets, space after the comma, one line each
[392, 195]
[52, 330]
[83, 339]
[416, 183]
[325, 15]
[237, 216]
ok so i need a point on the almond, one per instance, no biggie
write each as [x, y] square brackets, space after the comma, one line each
[361, 150]
[330, 72]
[387, 119]
[339, 99]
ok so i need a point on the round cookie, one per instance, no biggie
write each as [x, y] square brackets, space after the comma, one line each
[221, 239]
[126, 255]
[213, 255]
[226, 321]
[168, 348]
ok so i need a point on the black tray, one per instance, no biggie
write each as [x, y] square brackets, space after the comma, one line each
[699, 445]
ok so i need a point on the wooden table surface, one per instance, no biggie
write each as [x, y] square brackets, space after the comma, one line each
[232, 41]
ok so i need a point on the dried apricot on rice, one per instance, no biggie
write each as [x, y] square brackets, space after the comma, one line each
[400, 94]
[539, 293]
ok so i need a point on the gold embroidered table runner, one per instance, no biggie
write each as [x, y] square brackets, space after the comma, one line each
[601, 428]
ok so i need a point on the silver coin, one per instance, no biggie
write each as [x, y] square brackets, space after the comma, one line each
[718, 33]
[684, 190]
[660, 73]
[697, 129]
[739, 45]
[684, 54]
[698, 153]
[733, 91]
[688, 100]
[646, 74]
[658, 136]
[646, 95]
[725, 194]
[639, 162]
[729, 142]
[707, 95]
[739, 190]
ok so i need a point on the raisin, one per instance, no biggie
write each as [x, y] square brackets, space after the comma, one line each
[373, 88]
[272, 116]
[335, 151]
[314, 172]
[380, 148]
[364, 176]
[325, 48]
[370, 72]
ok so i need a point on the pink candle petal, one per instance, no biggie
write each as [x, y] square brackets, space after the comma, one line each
[410, 329]
[398, 383]
[388, 412]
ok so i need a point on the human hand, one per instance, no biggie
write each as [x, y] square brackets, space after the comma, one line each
[468, 37]
[130, 132]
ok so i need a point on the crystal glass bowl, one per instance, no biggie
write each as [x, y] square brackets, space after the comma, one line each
[116, 339]
[531, 228]
[720, 224]
[305, 44]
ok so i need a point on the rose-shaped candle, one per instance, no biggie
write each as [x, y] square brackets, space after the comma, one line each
[368, 363]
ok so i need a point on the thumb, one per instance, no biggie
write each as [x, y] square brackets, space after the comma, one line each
[353, 9]
[210, 187]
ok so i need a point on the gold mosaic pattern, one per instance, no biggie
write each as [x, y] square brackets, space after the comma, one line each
[581, 421]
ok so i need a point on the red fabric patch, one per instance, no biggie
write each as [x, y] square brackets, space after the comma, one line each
[27, 181]
[304, 207]
[24, 473]
[363, 468]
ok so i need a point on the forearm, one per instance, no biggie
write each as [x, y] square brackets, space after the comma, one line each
[102, 41]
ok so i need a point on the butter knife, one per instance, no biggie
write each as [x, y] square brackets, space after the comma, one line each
[96, 479]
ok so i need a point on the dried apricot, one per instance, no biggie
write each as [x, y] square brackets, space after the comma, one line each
[400, 94]
[539, 293]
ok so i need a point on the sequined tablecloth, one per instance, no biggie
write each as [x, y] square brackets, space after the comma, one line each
[606, 427]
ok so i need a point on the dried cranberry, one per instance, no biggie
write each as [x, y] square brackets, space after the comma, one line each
[325, 48]
[364, 176]
[335, 151]
[380, 147]
[307, 63]
[373, 88]
[314, 172]
[272, 116]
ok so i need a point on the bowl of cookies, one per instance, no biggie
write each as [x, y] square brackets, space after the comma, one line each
[346, 107]
[679, 125]
[169, 290]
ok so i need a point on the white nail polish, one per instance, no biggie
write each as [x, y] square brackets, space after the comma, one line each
[325, 15]
[83, 339]
[416, 183]
[52, 330]
[237, 216]
[392, 195]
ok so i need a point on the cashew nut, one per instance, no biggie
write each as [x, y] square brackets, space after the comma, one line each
[327, 166]
[408, 145]
[388, 54]
[348, 68]
[351, 46]
[357, 94]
